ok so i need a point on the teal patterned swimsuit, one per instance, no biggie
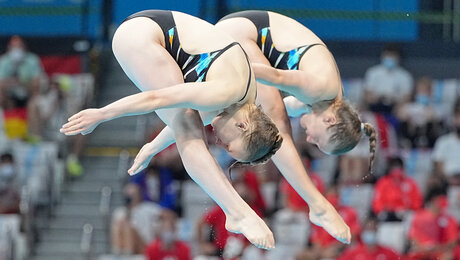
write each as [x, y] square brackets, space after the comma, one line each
[288, 60]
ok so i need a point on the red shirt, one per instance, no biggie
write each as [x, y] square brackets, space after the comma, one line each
[428, 229]
[349, 215]
[362, 252]
[258, 205]
[394, 194]
[293, 198]
[457, 252]
[216, 219]
[180, 251]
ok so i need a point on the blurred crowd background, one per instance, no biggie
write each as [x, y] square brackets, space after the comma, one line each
[71, 198]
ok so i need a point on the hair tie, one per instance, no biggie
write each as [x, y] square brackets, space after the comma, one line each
[362, 127]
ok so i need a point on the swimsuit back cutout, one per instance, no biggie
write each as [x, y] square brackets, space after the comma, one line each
[288, 60]
[194, 67]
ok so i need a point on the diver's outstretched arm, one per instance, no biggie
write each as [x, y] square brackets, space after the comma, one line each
[164, 139]
[205, 96]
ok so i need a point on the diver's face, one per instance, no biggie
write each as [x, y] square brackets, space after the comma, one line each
[316, 129]
[230, 135]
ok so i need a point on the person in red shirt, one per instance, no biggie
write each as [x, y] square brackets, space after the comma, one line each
[433, 232]
[166, 246]
[246, 184]
[321, 240]
[456, 252]
[293, 199]
[369, 248]
[395, 193]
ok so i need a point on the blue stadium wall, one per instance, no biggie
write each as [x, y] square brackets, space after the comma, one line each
[84, 18]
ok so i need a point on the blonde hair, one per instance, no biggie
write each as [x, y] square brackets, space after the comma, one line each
[263, 140]
[348, 131]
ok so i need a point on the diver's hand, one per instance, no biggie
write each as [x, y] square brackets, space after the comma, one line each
[143, 158]
[84, 122]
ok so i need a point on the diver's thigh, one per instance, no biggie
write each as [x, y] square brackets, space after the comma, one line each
[142, 57]
[145, 61]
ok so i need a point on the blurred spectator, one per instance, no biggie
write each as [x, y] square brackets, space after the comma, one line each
[446, 151]
[245, 183]
[369, 248]
[387, 84]
[20, 74]
[433, 232]
[420, 121]
[7, 170]
[292, 199]
[324, 245]
[9, 193]
[133, 226]
[395, 193]
[290, 224]
[456, 253]
[167, 246]
[20, 70]
[156, 185]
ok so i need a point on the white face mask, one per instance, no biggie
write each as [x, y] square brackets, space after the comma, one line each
[369, 237]
[17, 54]
[390, 62]
[7, 171]
[168, 237]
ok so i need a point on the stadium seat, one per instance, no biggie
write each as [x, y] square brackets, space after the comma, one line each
[358, 197]
[392, 235]
[291, 230]
[353, 90]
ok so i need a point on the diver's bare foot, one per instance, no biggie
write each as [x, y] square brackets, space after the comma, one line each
[253, 228]
[327, 217]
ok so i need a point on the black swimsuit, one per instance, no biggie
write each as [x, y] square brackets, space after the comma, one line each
[288, 60]
[194, 67]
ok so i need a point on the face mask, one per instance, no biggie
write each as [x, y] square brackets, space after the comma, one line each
[128, 200]
[168, 237]
[422, 99]
[369, 237]
[389, 62]
[7, 171]
[16, 54]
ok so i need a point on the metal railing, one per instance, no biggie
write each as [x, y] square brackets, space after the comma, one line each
[86, 241]
[104, 209]
[123, 163]
[27, 211]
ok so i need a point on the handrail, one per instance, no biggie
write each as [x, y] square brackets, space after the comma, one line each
[123, 163]
[104, 205]
[86, 241]
[104, 209]
[141, 125]
[10, 248]
[26, 209]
